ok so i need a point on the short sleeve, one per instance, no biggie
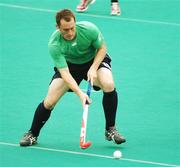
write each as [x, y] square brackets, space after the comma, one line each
[97, 37]
[58, 58]
[98, 41]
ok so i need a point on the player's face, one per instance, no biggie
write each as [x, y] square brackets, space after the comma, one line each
[68, 29]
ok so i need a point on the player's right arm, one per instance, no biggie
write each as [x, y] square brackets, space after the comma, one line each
[71, 83]
[61, 64]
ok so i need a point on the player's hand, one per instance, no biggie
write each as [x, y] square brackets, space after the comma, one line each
[84, 98]
[92, 75]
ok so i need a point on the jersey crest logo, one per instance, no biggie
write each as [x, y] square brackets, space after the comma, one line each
[74, 44]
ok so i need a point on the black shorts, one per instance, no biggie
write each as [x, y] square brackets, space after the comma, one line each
[79, 71]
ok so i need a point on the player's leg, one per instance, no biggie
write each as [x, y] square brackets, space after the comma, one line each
[110, 101]
[115, 7]
[83, 6]
[42, 113]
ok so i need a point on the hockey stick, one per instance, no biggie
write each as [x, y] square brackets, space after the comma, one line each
[83, 143]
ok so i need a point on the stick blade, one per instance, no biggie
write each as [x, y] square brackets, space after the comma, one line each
[85, 145]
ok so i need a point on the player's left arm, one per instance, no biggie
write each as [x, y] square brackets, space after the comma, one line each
[100, 54]
[98, 44]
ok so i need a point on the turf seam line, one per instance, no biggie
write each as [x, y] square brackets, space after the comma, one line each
[89, 154]
[93, 15]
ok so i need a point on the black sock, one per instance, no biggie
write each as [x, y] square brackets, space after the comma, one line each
[41, 115]
[112, 1]
[110, 101]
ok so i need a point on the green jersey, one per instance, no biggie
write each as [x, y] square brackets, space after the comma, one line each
[80, 50]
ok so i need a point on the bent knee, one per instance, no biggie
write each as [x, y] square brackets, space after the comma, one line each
[49, 104]
[108, 86]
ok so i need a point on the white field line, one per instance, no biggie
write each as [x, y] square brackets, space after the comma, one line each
[92, 15]
[91, 155]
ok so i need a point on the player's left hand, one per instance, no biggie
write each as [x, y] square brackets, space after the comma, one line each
[92, 75]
